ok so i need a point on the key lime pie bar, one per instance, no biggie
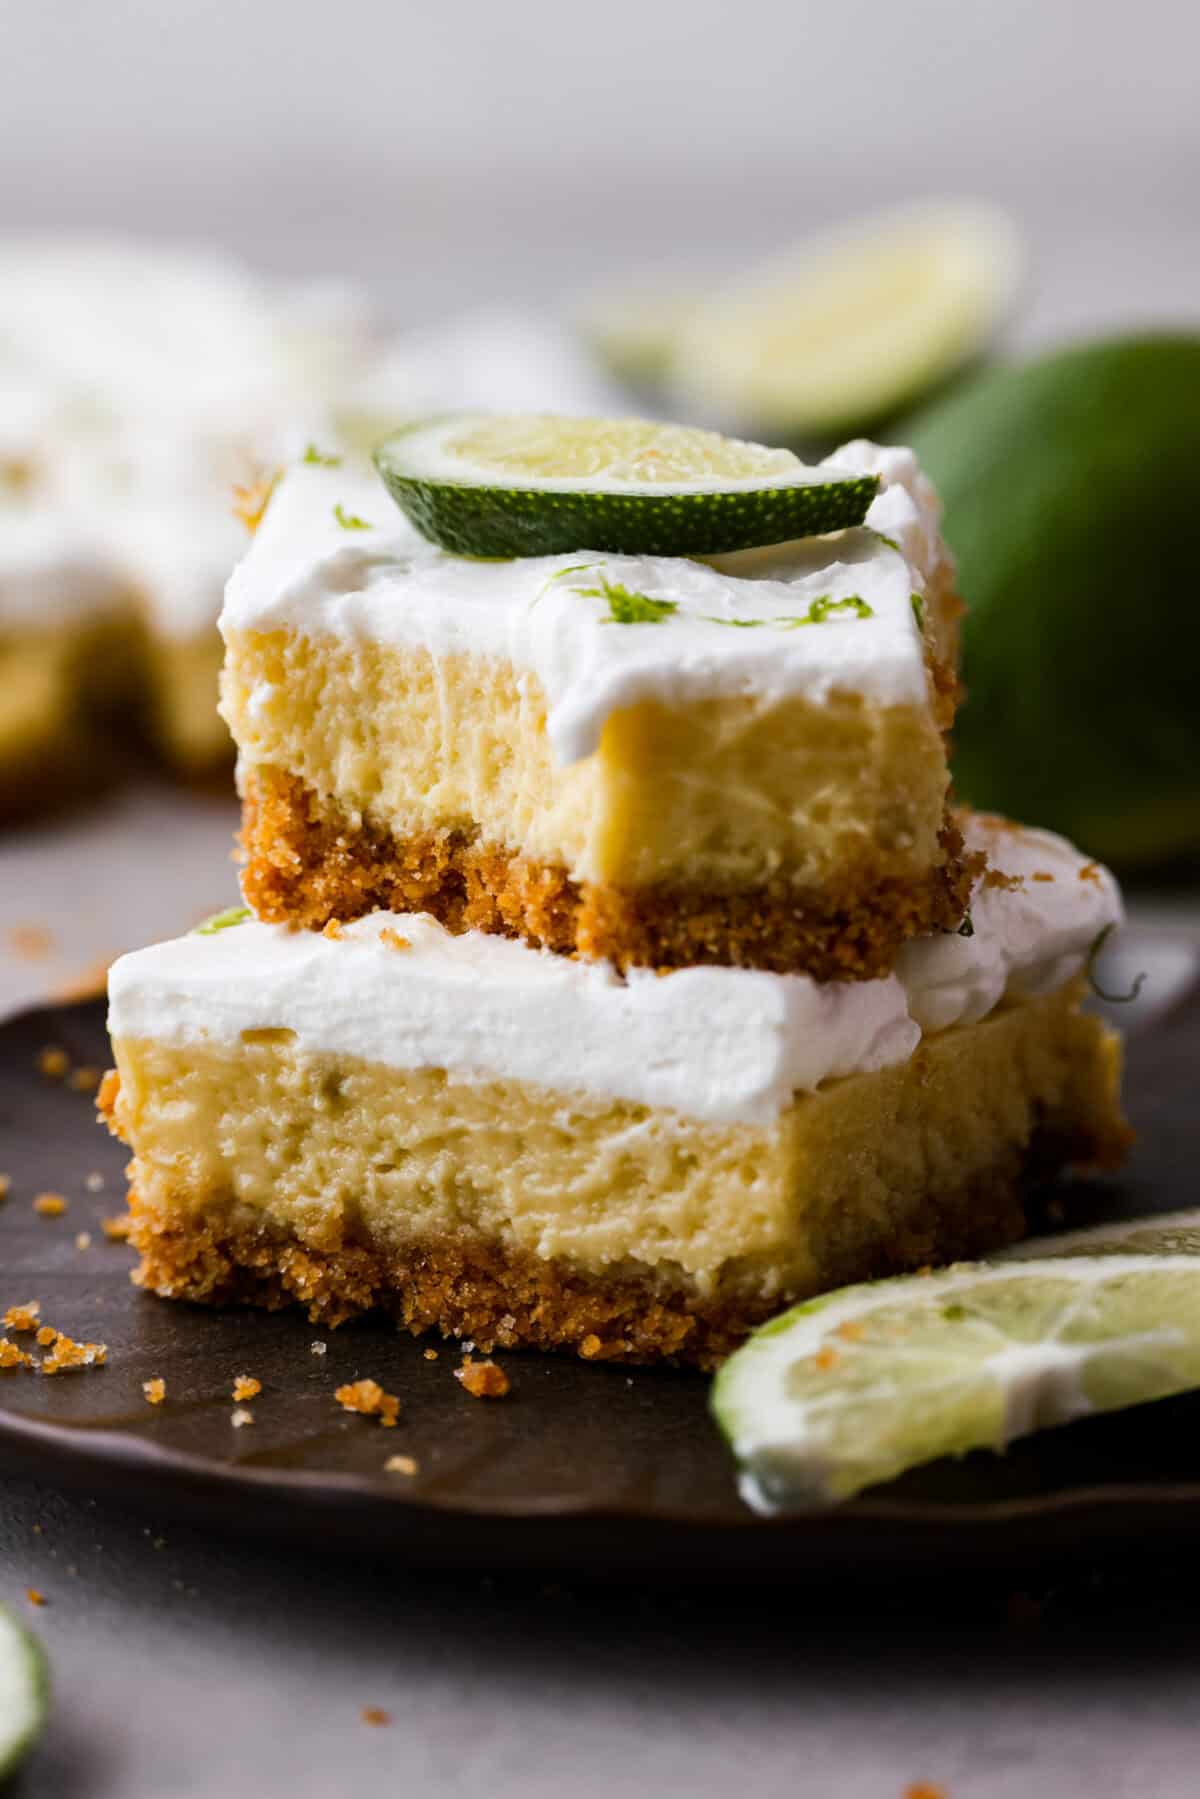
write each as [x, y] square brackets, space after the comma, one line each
[523, 1148]
[655, 753]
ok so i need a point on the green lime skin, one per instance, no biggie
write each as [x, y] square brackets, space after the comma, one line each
[1072, 494]
[473, 520]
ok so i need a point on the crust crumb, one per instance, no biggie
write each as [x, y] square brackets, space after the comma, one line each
[68, 1354]
[826, 1358]
[431, 1355]
[34, 1596]
[368, 1398]
[155, 1390]
[240, 1418]
[85, 1079]
[393, 939]
[400, 1464]
[83, 1240]
[116, 1229]
[1090, 872]
[23, 1317]
[106, 1097]
[483, 1380]
[995, 877]
[317, 1347]
[925, 1789]
[53, 1062]
[5, 1185]
[49, 1205]
[1042, 874]
[245, 1386]
[332, 929]
[376, 1716]
[47, 1336]
[94, 1182]
[13, 1356]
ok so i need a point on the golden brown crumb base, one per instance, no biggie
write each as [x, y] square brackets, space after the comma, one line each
[307, 863]
[505, 1298]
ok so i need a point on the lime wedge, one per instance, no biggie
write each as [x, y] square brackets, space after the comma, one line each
[24, 1691]
[860, 1385]
[845, 332]
[539, 484]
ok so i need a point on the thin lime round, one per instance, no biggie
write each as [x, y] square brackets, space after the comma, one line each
[861, 1385]
[24, 1691]
[843, 332]
[537, 484]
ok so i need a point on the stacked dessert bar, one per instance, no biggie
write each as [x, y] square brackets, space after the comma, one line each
[615, 969]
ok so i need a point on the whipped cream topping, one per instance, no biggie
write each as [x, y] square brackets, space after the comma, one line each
[732, 628]
[724, 1045]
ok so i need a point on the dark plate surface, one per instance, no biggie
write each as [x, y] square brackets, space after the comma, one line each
[581, 1469]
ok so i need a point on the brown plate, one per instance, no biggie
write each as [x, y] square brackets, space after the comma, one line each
[582, 1469]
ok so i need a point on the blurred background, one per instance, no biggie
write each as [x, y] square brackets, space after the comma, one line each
[449, 153]
[593, 178]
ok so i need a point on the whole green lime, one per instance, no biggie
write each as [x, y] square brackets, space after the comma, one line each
[1072, 494]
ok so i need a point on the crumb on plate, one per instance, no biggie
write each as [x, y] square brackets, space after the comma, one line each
[368, 1398]
[483, 1380]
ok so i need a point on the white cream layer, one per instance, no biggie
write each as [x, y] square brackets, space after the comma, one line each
[719, 1044]
[384, 583]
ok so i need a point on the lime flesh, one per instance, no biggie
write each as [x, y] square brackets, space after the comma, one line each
[24, 1691]
[861, 1385]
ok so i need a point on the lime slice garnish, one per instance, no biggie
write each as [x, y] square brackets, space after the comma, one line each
[844, 333]
[860, 1385]
[537, 484]
[24, 1691]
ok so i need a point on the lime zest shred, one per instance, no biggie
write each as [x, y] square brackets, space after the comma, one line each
[889, 541]
[222, 921]
[319, 458]
[350, 521]
[626, 607]
[918, 606]
[1089, 969]
[818, 612]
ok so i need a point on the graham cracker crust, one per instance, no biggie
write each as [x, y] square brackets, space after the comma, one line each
[500, 1297]
[306, 863]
